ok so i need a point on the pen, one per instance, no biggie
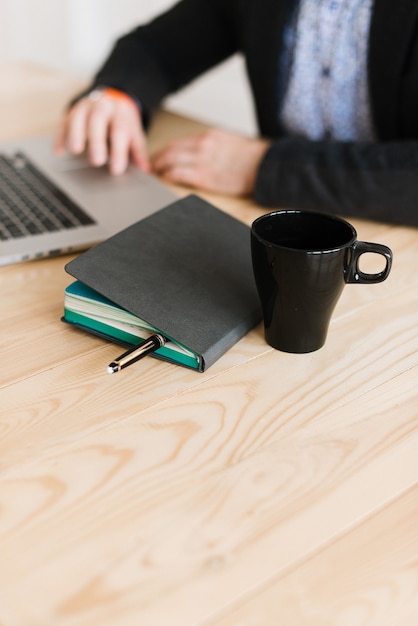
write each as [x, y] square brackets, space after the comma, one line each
[137, 352]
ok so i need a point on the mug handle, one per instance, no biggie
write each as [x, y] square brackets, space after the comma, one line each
[353, 273]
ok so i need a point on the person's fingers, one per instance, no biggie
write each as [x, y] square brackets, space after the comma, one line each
[76, 138]
[98, 124]
[184, 169]
[181, 151]
[139, 150]
[126, 139]
[185, 174]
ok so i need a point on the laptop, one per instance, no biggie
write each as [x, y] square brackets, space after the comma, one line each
[56, 205]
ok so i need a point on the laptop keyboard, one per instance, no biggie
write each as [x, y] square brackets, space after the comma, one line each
[31, 204]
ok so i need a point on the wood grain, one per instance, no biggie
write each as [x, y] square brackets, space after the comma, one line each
[352, 581]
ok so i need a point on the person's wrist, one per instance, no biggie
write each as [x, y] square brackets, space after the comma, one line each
[111, 92]
[96, 93]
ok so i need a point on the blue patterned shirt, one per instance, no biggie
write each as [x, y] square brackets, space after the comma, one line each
[327, 93]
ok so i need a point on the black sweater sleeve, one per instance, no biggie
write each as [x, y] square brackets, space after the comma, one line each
[376, 181]
[160, 57]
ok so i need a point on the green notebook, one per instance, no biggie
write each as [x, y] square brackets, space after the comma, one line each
[185, 270]
[90, 311]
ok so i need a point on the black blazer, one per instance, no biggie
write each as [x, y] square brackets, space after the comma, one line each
[372, 180]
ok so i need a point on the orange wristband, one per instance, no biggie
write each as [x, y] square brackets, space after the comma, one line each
[116, 94]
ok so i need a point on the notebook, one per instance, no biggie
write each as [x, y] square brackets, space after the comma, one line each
[186, 271]
[54, 205]
[90, 311]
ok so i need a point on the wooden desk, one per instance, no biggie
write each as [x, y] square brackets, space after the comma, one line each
[273, 489]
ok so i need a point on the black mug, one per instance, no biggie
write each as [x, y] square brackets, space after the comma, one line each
[301, 262]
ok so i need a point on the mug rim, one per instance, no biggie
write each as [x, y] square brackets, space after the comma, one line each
[325, 216]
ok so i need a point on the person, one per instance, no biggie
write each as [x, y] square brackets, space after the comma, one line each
[335, 88]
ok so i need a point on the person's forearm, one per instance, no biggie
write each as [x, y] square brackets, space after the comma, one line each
[371, 181]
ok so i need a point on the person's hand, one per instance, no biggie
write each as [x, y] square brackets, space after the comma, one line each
[215, 160]
[107, 124]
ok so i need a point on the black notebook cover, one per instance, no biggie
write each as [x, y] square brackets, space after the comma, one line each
[185, 270]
